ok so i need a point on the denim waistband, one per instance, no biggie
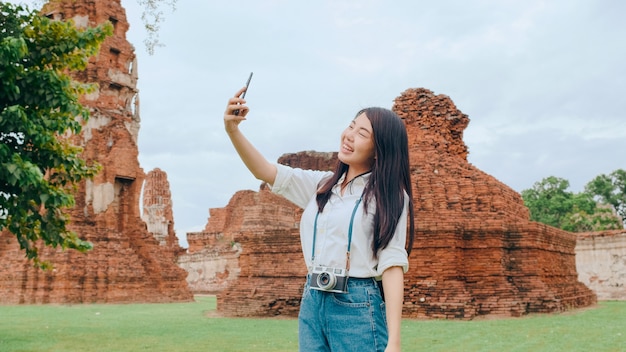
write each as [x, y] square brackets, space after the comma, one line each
[355, 281]
[358, 281]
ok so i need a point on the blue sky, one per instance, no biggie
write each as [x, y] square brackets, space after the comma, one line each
[543, 83]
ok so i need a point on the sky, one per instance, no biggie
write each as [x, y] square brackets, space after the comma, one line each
[543, 84]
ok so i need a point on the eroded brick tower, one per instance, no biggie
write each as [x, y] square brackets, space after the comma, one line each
[127, 263]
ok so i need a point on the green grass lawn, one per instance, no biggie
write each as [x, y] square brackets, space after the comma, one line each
[193, 327]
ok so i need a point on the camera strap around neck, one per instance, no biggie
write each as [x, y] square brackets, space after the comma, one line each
[349, 234]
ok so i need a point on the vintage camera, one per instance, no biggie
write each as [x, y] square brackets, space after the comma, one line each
[329, 279]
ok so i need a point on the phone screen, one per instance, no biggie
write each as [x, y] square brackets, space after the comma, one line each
[247, 85]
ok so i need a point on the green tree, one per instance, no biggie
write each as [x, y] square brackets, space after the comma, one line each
[551, 203]
[39, 112]
[603, 218]
[610, 189]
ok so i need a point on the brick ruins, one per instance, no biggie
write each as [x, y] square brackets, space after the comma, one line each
[127, 263]
[157, 209]
[476, 252]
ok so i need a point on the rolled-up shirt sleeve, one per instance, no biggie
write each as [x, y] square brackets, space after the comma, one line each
[297, 185]
[395, 253]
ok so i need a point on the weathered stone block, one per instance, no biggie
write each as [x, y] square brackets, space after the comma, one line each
[601, 263]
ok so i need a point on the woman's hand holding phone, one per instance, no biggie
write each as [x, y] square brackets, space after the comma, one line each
[236, 110]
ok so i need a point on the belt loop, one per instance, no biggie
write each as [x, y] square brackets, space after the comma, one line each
[380, 287]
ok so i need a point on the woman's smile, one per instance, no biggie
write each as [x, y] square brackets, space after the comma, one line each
[346, 148]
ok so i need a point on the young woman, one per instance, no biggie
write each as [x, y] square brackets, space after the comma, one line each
[353, 231]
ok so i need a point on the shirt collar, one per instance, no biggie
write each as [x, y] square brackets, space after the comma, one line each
[356, 185]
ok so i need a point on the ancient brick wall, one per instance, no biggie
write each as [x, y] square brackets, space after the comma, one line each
[475, 253]
[271, 267]
[310, 160]
[127, 263]
[211, 260]
[216, 258]
[601, 263]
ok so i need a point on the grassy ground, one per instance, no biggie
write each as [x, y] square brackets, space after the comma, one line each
[192, 327]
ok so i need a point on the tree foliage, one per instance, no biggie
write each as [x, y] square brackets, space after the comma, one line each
[39, 111]
[152, 18]
[610, 189]
[595, 209]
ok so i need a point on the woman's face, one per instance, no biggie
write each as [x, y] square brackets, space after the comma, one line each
[357, 145]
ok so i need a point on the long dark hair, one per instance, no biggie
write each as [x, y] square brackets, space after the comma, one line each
[390, 178]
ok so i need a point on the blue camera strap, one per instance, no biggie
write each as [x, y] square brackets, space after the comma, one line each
[349, 234]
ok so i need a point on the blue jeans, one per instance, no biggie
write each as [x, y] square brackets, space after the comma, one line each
[338, 322]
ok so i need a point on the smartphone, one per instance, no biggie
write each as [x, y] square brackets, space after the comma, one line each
[236, 112]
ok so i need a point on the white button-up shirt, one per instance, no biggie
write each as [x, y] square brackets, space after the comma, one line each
[300, 187]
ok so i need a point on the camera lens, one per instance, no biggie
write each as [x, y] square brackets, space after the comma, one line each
[326, 280]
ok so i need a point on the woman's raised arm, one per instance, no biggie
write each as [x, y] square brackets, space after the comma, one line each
[251, 157]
